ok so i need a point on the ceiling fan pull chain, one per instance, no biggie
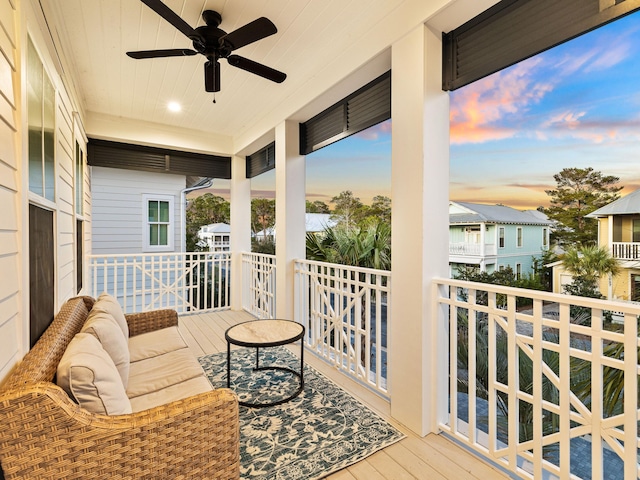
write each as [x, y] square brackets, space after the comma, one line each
[214, 97]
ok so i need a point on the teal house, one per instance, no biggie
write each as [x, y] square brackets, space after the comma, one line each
[494, 237]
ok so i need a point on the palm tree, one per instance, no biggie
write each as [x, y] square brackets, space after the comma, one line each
[590, 263]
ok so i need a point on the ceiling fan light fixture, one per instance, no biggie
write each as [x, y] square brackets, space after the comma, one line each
[214, 44]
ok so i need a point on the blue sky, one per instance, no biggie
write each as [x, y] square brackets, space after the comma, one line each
[576, 105]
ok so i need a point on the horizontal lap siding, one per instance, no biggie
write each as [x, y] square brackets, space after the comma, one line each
[117, 215]
[10, 224]
[66, 240]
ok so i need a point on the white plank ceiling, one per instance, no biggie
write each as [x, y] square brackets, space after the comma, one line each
[312, 38]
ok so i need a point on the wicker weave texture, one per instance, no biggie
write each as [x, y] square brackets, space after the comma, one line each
[140, 323]
[45, 435]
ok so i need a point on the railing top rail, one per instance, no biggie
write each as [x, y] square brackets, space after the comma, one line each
[254, 254]
[373, 271]
[158, 254]
[613, 305]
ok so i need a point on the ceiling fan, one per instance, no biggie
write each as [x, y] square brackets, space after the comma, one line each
[214, 44]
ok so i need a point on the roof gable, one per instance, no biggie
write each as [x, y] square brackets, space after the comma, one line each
[629, 204]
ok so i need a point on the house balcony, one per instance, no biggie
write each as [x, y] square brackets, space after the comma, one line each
[532, 382]
[472, 249]
[626, 250]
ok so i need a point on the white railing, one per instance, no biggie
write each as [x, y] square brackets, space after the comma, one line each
[538, 382]
[259, 284]
[472, 249]
[186, 282]
[626, 250]
[345, 311]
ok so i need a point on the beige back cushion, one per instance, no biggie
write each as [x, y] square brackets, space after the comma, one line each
[87, 373]
[108, 304]
[103, 326]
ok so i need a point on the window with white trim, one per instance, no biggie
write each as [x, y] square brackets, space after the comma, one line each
[41, 114]
[544, 237]
[501, 237]
[518, 271]
[519, 237]
[158, 222]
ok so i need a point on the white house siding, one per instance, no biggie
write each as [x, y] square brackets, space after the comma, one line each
[15, 15]
[118, 207]
[11, 211]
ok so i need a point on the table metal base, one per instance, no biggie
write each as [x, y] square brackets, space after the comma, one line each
[300, 376]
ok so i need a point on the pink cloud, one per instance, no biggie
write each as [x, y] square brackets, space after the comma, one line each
[376, 131]
[477, 110]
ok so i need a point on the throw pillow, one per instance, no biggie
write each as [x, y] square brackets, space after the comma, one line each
[103, 326]
[108, 304]
[87, 373]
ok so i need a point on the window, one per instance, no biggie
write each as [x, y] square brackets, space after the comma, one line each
[544, 237]
[518, 271]
[41, 127]
[501, 237]
[158, 224]
[636, 231]
[519, 237]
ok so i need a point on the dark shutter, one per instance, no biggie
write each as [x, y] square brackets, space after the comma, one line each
[79, 255]
[261, 161]
[362, 109]
[513, 30]
[102, 153]
[41, 272]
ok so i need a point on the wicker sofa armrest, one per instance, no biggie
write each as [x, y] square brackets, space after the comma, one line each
[150, 321]
[196, 438]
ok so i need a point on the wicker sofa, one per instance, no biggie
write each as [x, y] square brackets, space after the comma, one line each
[45, 434]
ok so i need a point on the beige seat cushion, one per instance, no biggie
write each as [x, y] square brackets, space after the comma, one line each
[87, 373]
[108, 304]
[155, 343]
[154, 374]
[103, 326]
[172, 393]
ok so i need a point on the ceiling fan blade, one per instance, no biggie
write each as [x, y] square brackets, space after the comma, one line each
[175, 52]
[257, 68]
[173, 18]
[212, 76]
[251, 32]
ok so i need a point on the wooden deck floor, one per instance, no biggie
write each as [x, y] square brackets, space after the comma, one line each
[433, 457]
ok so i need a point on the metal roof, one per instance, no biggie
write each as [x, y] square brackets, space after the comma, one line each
[629, 204]
[481, 213]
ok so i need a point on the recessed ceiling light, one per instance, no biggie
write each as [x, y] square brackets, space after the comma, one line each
[174, 106]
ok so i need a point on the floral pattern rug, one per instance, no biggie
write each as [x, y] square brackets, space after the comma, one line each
[321, 431]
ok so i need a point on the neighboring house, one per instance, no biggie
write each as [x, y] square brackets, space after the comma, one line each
[215, 237]
[619, 231]
[138, 206]
[493, 237]
[314, 223]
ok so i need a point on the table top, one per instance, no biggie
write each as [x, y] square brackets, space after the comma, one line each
[269, 333]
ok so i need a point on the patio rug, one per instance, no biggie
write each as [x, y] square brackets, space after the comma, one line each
[321, 431]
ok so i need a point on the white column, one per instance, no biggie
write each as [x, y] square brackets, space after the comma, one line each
[420, 225]
[240, 240]
[290, 213]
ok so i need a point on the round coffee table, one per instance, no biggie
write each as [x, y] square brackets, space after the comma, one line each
[263, 334]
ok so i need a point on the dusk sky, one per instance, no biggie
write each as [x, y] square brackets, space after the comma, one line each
[576, 105]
